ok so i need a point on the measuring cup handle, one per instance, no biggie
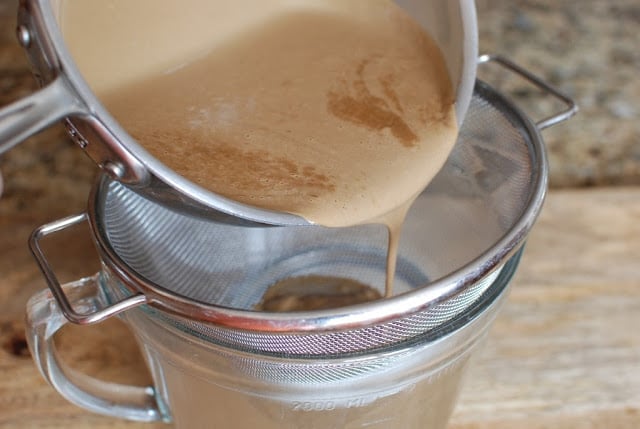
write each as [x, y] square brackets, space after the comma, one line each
[43, 320]
[572, 107]
[25, 117]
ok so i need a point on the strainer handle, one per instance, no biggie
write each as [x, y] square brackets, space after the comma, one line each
[572, 107]
[43, 320]
[97, 314]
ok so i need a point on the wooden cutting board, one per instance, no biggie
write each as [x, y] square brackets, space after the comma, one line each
[563, 353]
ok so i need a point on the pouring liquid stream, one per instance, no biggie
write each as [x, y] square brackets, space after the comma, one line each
[338, 111]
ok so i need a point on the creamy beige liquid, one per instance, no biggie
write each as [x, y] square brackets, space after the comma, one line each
[313, 292]
[338, 111]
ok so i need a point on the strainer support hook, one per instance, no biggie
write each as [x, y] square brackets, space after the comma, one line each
[54, 285]
[572, 107]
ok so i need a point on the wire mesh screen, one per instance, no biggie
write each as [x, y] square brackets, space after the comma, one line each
[480, 194]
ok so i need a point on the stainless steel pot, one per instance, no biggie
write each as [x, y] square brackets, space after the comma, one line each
[67, 95]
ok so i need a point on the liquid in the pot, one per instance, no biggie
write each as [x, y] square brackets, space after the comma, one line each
[340, 111]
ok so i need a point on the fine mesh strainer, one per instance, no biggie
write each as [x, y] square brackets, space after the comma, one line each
[209, 276]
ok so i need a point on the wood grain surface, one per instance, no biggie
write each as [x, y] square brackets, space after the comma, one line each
[563, 353]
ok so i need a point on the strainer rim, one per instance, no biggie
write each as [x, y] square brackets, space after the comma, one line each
[359, 315]
[494, 294]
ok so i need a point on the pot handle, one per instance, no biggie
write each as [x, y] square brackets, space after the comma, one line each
[571, 109]
[43, 320]
[27, 116]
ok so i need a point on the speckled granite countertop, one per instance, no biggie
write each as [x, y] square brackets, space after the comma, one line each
[586, 47]
[590, 49]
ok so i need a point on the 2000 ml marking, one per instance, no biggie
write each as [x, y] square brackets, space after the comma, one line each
[330, 405]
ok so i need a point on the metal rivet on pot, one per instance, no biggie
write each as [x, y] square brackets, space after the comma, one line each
[24, 36]
[75, 135]
[114, 169]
